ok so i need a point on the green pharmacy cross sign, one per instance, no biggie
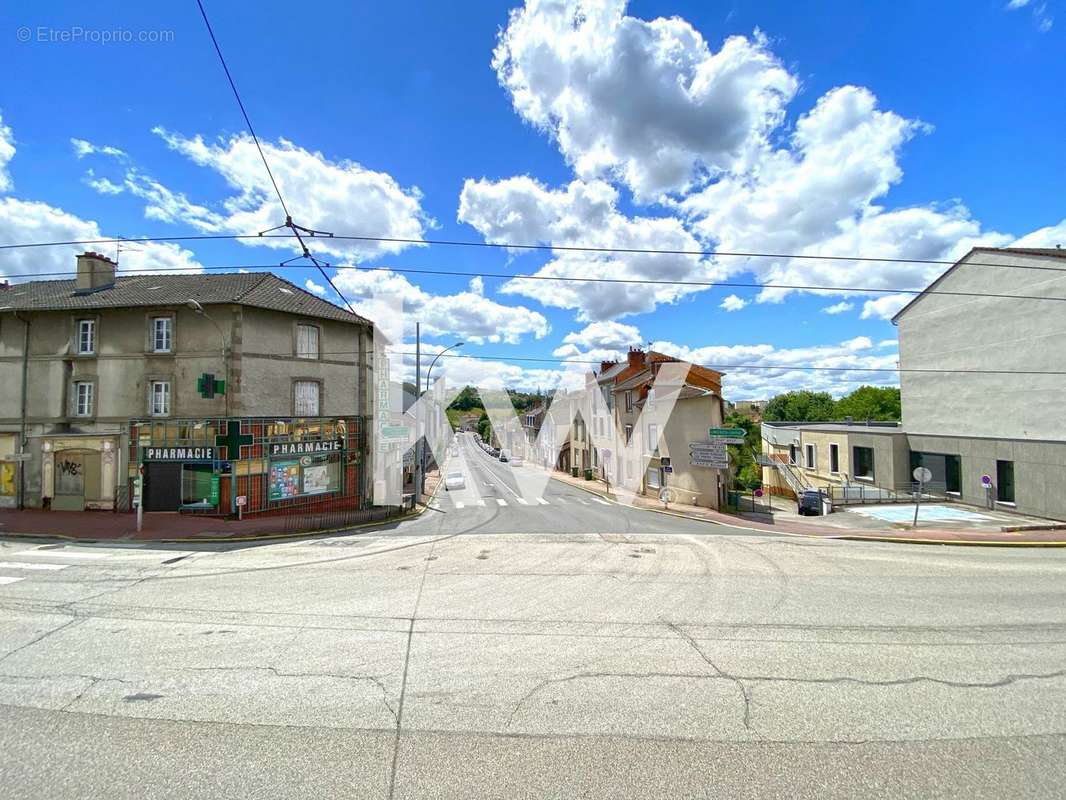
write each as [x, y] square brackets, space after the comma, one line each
[208, 386]
[233, 440]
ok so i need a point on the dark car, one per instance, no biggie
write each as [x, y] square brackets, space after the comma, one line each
[810, 503]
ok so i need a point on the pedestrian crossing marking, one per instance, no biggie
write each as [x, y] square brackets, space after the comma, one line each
[501, 501]
[62, 554]
[4, 581]
[481, 503]
[542, 501]
[522, 501]
[23, 565]
[460, 504]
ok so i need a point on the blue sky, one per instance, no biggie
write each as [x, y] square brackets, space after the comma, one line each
[895, 129]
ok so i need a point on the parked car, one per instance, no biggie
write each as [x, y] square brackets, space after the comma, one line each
[810, 503]
[505, 455]
[454, 480]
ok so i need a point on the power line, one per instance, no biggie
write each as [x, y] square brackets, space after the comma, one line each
[544, 247]
[576, 279]
[721, 367]
[240, 103]
[296, 229]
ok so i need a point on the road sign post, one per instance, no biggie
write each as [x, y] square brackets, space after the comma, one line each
[923, 476]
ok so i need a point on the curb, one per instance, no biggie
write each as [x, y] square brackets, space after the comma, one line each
[266, 537]
[853, 537]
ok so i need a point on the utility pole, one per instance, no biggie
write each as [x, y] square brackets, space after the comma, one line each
[418, 420]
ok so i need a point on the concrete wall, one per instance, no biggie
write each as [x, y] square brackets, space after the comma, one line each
[1039, 470]
[689, 423]
[966, 333]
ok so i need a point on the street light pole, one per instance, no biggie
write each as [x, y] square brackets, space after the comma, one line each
[422, 461]
[199, 309]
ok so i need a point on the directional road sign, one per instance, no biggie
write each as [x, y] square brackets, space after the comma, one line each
[726, 433]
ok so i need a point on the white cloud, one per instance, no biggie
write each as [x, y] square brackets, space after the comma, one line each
[646, 101]
[616, 335]
[467, 314]
[103, 185]
[1050, 236]
[885, 307]
[733, 303]
[764, 370]
[7, 152]
[34, 221]
[337, 196]
[1016, 4]
[83, 148]
[838, 308]
[1043, 19]
[315, 288]
[522, 210]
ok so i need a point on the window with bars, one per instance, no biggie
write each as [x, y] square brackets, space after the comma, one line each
[86, 336]
[162, 334]
[306, 398]
[159, 399]
[83, 395]
[307, 341]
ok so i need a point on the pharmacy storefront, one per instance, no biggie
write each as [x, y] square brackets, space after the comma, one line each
[248, 465]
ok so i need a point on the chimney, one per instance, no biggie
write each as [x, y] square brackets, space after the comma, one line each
[606, 365]
[636, 357]
[95, 272]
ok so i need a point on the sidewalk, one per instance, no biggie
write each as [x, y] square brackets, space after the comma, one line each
[921, 535]
[173, 527]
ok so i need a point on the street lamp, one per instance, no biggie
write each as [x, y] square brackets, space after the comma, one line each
[196, 306]
[421, 447]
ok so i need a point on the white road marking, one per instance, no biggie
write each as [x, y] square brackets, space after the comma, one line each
[22, 565]
[560, 500]
[481, 503]
[460, 504]
[601, 502]
[542, 501]
[62, 554]
[501, 501]
[583, 502]
[5, 580]
[523, 501]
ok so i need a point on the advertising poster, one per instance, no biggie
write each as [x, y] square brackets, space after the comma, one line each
[284, 480]
[316, 479]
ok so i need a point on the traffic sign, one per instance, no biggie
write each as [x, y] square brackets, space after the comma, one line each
[726, 433]
[986, 481]
[399, 433]
[242, 500]
[922, 474]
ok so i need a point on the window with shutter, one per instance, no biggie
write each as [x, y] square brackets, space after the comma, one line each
[306, 397]
[306, 341]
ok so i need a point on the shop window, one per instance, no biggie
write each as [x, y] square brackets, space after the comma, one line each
[306, 398]
[83, 394]
[946, 470]
[197, 485]
[863, 462]
[162, 334]
[86, 336]
[159, 400]
[1005, 481]
[295, 478]
[307, 341]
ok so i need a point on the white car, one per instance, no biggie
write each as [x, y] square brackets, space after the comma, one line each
[454, 480]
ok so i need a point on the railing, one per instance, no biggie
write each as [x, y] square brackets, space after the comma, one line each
[863, 493]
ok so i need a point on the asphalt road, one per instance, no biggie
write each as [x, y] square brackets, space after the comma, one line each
[555, 663]
[501, 498]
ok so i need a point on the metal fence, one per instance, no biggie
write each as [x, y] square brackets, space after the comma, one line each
[861, 494]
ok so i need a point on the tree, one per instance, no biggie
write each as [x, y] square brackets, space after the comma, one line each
[747, 472]
[801, 406]
[869, 402]
[484, 427]
[466, 400]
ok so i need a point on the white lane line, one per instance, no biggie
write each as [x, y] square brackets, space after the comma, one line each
[460, 504]
[542, 501]
[522, 501]
[501, 501]
[62, 554]
[601, 502]
[4, 580]
[22, 565]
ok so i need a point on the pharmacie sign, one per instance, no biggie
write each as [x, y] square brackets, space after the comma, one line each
[306, 448]
[178, 453]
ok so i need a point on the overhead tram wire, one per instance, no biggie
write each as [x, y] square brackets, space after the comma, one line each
[540, 247]
[576, 279]
[721, 367]
[289, 224]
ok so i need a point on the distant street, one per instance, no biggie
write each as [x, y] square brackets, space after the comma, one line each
[620, 661]
[502, 498]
